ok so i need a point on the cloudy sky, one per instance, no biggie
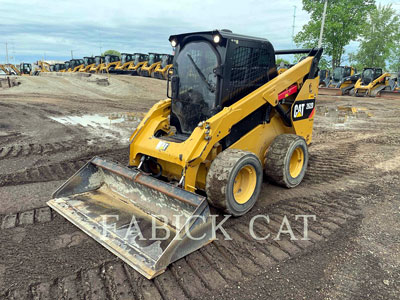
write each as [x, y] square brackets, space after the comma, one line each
[36, 29]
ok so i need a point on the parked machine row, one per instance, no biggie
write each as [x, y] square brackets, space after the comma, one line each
[148, 65]
[370, 82]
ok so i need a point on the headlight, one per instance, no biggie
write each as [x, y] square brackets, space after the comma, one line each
[217, 38]
[174, 43]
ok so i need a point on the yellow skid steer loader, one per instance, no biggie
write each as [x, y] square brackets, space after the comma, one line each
[162, 70]
[372, 82]
[230, 119]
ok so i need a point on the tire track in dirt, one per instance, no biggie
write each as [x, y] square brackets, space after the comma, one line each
[221, 263]
[57, 170]
[26, 150]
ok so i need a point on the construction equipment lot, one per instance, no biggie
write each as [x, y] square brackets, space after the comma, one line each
[51, 125]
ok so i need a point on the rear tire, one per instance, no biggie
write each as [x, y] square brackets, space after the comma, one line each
[286, 160]
[234, 181]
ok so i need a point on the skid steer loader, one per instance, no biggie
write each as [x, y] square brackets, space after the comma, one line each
[88, 62]
[372, 82]
[324, 78]
[25, 68]
[139, 60]
[110, 62]
[98, 63]
[229, 119]
[341, 81]
[67, 66]
[148, 68]
[59, 67]
[161, 71]
[122, 68]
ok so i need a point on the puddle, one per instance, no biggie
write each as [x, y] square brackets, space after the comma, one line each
[345, 116]
[118, 125]
[97, 120]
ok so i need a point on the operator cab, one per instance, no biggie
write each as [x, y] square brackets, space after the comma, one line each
[109, 58]
[370, 74]
[214, 69]
[125, 57]
[98, 60]
[140, 57]
[88, 60]
[59, 67]
[341, 72]
[25, 68]
[166, 59]
[75, 62]
[153, 58]
[67, 65]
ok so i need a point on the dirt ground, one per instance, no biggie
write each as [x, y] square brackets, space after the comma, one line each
[50, 126]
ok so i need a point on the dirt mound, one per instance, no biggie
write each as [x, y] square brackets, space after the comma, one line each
[93, 86]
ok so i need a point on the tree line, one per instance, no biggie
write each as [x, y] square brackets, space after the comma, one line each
[376, 28]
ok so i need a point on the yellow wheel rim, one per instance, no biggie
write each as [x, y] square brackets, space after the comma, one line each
[245, 184]
[296, 162]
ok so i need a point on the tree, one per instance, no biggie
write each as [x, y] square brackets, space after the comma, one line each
[379, 37]
[394, 58]
[343, 23]
[111, 52]
[281, 60]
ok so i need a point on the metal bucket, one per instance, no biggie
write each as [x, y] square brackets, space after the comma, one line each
[130, 214]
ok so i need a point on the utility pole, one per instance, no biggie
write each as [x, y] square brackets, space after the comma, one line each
[72, 54]
[294, 22]
[6, 53]
[14, 53]
[322, 24]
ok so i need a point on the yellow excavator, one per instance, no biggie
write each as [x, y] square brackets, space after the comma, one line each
[13, 69]
[8, 70]
[154, 60]
[161, 71]
[230, 119]
[4, 69]
[43, 66]
[372, 82]
[139, 61]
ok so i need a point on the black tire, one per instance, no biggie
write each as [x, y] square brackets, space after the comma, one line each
[278, 160]
[220, 182]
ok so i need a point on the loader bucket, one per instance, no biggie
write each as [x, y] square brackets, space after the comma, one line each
[131, 213]
[329, 91]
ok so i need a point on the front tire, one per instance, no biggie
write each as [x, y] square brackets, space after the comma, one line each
[286, 160]
[234, 181]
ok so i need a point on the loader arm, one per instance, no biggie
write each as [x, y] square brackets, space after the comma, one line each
[16, 71]
[4, 69]
[193, 151]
